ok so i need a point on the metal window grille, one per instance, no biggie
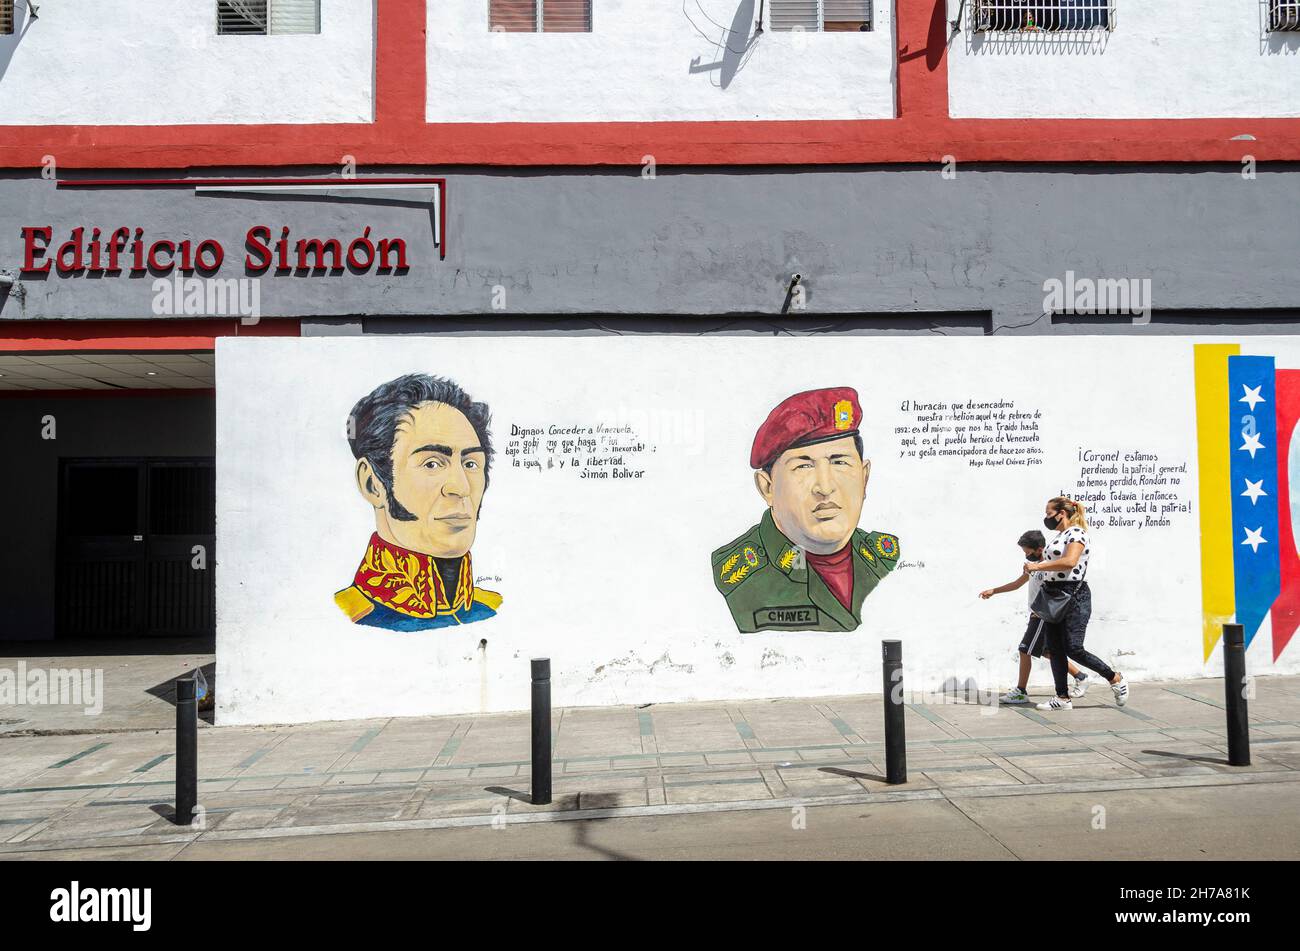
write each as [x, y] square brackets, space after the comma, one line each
[267, 17]
[1043, 16]
[1284, 15]
[830, 16]
[6, 16]
[540, 16]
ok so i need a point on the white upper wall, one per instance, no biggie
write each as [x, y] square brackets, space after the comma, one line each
[655, 60]
[161, 62]
[1165, 59]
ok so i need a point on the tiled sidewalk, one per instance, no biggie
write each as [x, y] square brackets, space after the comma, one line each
[117, 788]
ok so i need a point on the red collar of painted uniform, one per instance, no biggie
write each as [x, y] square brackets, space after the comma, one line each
[837, 571]
[409, 583]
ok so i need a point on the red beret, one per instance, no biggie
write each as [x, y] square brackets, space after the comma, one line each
[814, 416]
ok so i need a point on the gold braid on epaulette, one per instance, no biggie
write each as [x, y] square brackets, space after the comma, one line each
[738, 574]
[728, 565]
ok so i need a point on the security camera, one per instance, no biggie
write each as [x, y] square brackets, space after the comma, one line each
[795, 279]
[6, 280]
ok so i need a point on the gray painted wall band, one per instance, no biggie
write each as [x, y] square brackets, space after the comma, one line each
[708, 243]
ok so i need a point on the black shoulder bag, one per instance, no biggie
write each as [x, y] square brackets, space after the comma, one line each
[1051, 604]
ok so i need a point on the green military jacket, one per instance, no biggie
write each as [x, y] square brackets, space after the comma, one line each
[768, 586]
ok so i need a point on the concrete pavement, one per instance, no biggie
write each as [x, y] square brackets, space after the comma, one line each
[982, 781]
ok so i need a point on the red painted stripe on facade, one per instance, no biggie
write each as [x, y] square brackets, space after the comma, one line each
[265, 182]
[922, 59]
[401, 58]
[910, 139]
[923, 132]
[130, 335]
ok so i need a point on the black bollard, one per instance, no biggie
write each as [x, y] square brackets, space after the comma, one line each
[895, 739]
[1234, 694]
[187, 751]
[541, 731]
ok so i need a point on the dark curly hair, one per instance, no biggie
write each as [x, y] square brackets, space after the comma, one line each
[376, 416]
[1032, 539]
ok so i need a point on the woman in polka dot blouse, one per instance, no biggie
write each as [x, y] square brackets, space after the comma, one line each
[1065, 566]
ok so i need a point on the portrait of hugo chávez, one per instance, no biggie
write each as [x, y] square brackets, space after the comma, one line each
[423, 460]
[806, 566]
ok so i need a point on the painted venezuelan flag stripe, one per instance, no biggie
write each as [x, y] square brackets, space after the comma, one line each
[1252, 405]
[1213, 431]
[1284, 616]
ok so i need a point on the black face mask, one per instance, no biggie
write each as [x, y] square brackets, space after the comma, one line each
[1050, 521]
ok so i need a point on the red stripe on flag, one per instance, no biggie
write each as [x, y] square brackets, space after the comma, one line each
[1285, 612]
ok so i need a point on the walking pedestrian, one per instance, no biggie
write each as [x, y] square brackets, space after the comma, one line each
[1034, 642]
[1065, 600]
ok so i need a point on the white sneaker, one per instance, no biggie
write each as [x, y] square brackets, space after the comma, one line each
[1120, 690]
[1079, 687]
[1056, 703]
[1014, 695]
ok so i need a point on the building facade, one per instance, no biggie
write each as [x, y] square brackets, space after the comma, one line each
[1077, 186]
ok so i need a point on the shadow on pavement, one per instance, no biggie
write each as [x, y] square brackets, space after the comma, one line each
[852, 774]
[582, 839]
[1199, 759]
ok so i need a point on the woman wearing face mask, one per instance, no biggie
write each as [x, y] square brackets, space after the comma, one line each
[1065, 566]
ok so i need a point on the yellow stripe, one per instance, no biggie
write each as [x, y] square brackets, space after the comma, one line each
[1218, 603]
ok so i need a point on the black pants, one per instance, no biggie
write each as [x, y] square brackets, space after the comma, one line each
[1065, 640]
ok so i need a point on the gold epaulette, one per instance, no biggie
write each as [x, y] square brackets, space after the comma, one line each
[354, 603]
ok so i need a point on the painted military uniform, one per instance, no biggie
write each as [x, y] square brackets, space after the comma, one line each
[768, 585]
[768, 581]
[402, 590]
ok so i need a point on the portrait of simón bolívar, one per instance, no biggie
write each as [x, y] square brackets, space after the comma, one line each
[423, 463]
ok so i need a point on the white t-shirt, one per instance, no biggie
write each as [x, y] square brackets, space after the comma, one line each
[1033, 585]
[1055, 549]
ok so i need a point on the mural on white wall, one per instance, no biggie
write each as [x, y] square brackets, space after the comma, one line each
[806, 565]
[599, 495]
[1248, 410]
[423, 461]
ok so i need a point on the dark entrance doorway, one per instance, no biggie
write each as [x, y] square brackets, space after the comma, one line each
[135, 548]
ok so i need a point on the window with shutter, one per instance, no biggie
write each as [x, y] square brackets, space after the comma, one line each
[814, 16]
[846, 16]
[6, 16]
[294, 16]
[513, 16]
[246, 17]
[1042, 16]
[795, 15]
[267, 17]
[540, 16]
[566, 16]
